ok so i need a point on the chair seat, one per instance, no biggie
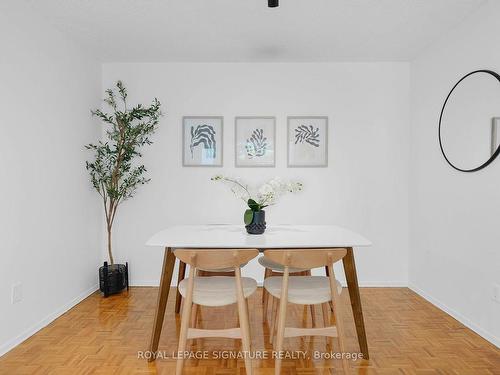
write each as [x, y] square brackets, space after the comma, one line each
[276, 267]
[217, 290]
[303, 290]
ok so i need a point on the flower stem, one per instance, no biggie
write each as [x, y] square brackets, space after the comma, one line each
[239, 184]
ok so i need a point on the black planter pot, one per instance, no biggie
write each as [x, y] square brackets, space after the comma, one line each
[258, 224]
[113, 278]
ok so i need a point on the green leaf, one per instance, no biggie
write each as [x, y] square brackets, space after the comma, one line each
[248, 217]
[254, 206]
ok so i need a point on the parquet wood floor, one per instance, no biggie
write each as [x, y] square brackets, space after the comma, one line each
[406, 335]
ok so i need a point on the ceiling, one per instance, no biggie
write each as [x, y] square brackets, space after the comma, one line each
[247, 30]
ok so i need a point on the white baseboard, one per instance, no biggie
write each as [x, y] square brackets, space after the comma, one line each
[455, 314]
[148, 283]
[381, 284]
[45, 321]
[366, 284]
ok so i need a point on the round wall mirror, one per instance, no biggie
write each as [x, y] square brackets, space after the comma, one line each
[469, 120]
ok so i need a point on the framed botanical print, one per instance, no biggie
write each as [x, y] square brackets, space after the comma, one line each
[307, 141]
[202, 141]
[255, 141]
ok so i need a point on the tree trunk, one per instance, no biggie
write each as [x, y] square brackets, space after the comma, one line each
[109, 246]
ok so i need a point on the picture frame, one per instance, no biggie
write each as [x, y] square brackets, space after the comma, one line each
[202, 141]
[307, 139]
[255, 141]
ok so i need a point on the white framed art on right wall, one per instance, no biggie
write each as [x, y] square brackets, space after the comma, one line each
[307, 141]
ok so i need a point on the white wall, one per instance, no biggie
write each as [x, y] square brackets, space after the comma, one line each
[49, 217]
[364, 188]
[455, 257]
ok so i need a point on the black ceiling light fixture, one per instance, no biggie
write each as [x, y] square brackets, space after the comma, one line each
[273, 3]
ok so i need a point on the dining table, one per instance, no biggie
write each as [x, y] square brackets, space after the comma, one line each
[225, 236]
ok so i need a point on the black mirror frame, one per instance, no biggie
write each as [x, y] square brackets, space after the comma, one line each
[497, 151]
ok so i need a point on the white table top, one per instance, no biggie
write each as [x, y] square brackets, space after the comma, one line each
[235, 236]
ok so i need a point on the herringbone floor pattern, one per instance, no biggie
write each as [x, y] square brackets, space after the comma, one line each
[406, 335]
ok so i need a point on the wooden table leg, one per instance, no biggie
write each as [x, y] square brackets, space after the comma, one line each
[166, 279]
[180, 277]
[357, 310]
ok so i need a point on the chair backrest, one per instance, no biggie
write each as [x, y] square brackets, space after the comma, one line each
[216, 258]
[306, 258]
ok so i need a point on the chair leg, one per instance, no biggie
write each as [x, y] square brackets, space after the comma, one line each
[265, 295]
[281, 324]
[324, 308]
[277, 319]
[186, 315]
[248, 315]
[245, 336]
[195, 308]
[311, 307]
[273, 319]
[313, 315]
[266, 275]
[244, 324]
[327, 273]
[326, 320]
[180, 277]
[194, 315]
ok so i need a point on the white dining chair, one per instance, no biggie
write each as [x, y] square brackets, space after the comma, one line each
[306, 290]
[228, 271]
[215, 291]
[274, 269]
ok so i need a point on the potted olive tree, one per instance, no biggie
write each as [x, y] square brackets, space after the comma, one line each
[115, 172]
